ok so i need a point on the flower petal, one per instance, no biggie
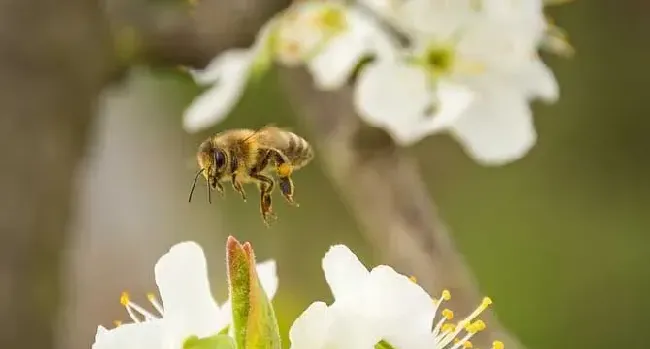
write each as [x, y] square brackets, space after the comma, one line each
[182, 278]
[267, 273]
[225, 62]
[148, 334]
[334, 64]
[538, 79]
[215, 104]
[338, 327]
[395, 96]
[453, 99]
[310, 329]
[403, 309]
[343, 271]
[498, 128]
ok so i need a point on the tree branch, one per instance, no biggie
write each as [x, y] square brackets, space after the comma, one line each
[175, 33]
[54, 58]
[383, 188]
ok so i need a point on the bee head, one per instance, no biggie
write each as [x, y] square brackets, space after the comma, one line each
[212, 162]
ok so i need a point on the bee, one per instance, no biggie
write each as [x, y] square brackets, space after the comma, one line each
[243, 156]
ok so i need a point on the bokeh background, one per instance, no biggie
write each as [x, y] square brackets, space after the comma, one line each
[558, 239]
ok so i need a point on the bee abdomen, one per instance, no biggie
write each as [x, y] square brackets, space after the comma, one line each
[299, 151]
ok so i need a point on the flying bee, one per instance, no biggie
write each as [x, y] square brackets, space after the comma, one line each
[244, 156]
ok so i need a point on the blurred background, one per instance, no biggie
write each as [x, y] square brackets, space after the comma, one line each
[558, 239]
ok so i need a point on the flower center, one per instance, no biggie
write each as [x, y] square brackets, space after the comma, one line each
[332, 19]
[439, 60]
[448, 335]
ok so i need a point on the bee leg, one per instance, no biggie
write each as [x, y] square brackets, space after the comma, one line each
[236, 184]
[265, 185]
[215, 184]
[284, 171]
[219, 188]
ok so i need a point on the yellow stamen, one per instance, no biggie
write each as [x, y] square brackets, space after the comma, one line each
[497, 345]
[448, 314]
[124, 299]
[448, 327]
[475, 327]
[413, 279]
[468, 345]
[446, 295]
[117, 323]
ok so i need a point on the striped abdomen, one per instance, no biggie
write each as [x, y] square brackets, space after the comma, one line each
[297, 150]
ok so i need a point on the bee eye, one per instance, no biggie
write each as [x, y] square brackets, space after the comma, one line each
[219, 159]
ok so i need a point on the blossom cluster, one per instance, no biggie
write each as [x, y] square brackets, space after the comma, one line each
[470, 68]
[377, 308]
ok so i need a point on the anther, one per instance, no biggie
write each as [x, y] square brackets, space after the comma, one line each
[497, 345]
[446, 295]
[448, 328]
[117, 323]
[154, 301]
[448, 314]
[124, 298]
[413, 279]
[468, 345]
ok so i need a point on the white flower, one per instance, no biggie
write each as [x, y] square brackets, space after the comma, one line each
[331, 38]
[228, 73]
[374, 306]
[187, 308]
[469, 71]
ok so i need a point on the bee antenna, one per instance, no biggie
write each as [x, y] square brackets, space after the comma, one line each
[209, 193]
[196, 178]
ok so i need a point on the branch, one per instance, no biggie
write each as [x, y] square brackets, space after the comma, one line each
[55, 57]
[383, 188]
[176, 33]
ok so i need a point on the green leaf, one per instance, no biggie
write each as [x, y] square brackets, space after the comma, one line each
[254, 321]
[219, 341]
[383, 345]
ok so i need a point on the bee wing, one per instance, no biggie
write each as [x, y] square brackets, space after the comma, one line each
[268, 136]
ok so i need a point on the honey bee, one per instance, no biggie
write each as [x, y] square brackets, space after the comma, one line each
[250, 156]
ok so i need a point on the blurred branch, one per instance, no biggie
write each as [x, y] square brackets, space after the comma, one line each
[383, 188]
[54, 58]
[177, 33]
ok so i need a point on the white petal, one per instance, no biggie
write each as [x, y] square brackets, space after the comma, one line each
[498, 128]
[225, 62]
[343, 271]
[539, 81]
[404, 310]
[437, 19]
[216, 103]
[148, 334]
[182, 279]
[101, 330]
[332, 67]
[452, 100]
[267, 273]
[395, 96]
[337, 327]
[311, 328]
